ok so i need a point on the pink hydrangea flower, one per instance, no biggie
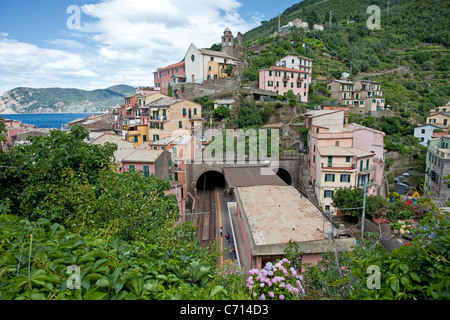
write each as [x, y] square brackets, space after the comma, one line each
[271, 294]
[281, 297]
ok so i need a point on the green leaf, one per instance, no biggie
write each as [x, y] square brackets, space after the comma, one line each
[102, 282]
[415, 276]
[404, 268]
[93, 295]
[37, 296]
[395, 285]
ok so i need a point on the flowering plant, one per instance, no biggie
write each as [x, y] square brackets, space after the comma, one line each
[275, 282]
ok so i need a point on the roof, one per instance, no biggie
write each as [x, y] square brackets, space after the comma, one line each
[216, 54]
[342, 81]
[277, 214]
[318, 113]
[164, 101]
[343, 152]
[285, 69]
[370, 81]
[436, 112]
[113, 138]
[142, 155]
[171, 66]
[361, 127]
[249, 176]
[162, 142]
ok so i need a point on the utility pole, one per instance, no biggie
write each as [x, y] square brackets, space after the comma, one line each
[331, 13]
[364, 209]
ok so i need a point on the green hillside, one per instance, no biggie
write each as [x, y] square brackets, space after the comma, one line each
[413, 35]
[24, 100]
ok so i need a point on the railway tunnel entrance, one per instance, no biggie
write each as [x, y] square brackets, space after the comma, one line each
[205, 216]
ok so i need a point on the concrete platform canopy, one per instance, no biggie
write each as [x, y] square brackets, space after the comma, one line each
[272, 215]
[249, 176]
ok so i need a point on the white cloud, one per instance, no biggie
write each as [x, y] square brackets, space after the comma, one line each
[24, 64]
[121, 41]
[152, 34]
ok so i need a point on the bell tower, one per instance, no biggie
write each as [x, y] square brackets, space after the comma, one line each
[227, 42]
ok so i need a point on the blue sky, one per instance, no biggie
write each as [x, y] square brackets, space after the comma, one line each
[120, 41]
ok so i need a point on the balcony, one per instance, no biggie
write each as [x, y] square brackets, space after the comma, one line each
[157, 119]
[338, 167]
[369, 184]
[299, 79]
[286, 78]
[366, 170]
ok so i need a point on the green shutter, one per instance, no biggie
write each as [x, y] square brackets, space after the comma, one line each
[145, 138]
[170, 162]
[131, 168]
[146, 171]
[184, 111]
[180, 124]
[135, 138]
[332, 178]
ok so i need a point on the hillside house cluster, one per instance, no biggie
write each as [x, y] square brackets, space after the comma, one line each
[342, 155]
[366, 95]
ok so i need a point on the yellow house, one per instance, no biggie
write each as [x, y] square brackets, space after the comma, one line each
[136, 133]
[442, 118]
[340, 167]
[217, 70]
[168, 115]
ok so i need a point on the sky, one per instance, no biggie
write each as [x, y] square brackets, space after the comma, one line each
[95, 44]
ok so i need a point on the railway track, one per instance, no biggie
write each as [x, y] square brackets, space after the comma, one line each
[205, 220]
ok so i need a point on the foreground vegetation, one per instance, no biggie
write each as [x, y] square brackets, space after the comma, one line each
[63, 204]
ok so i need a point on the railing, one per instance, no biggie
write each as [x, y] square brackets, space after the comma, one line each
[364, 170]
[299, 79]
[286, 78]
[338, 166]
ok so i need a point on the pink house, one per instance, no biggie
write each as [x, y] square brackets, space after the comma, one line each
[372, 140]
[328, 128]
[281, 80]
[325, 129]
[164, 75]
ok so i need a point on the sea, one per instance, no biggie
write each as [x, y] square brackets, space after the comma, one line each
[46, 120]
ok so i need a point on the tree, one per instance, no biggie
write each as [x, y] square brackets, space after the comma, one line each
[349, 200]
[34, 170]
[221, 112]
[249, 116]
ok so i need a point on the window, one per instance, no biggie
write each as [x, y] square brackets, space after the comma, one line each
[292, 84]
[131, 168]
[176, 176]
[184, 112]
[361, 165]
[345, 178]
[330, 161]
[170, 162]
[329, 87]
[136, 138]
[336, 143]
[180, 124]
[270, 73]
[445, 122]
[328, 193]
[195, 111]
[146, 171]
[423, 130]
[347, 159]
[314, 159]
[269, 83]
[293, 60]
[161, 126]
[278, 83]
[329, 177]
[367, 164]
[145, 138]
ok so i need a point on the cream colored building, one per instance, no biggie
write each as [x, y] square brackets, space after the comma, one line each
[339, 167]
[439, 118]
[169, 115]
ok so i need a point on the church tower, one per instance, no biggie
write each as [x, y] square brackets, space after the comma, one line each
[227, 42]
